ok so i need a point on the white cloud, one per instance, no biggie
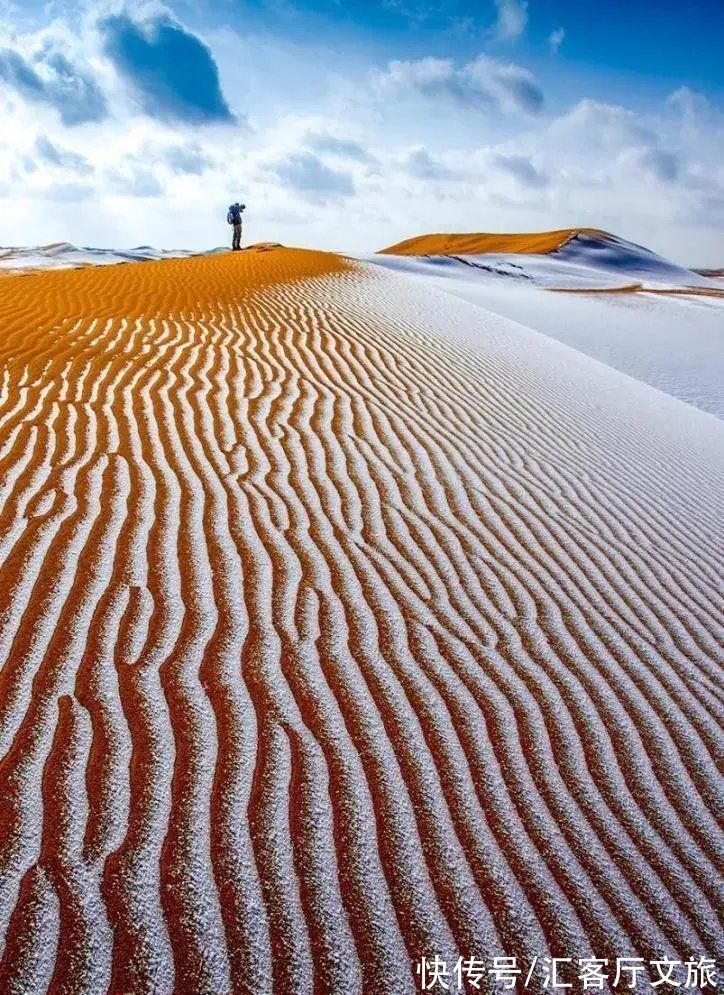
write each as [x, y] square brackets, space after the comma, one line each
[134, 182]
[341, 148]
[55, 155]
[420, 163]
[521, 167]
[186, 158]
[603, 127]
[511, 21]
[306, 174]
[485, 83]
[48, 77]
[556, 39]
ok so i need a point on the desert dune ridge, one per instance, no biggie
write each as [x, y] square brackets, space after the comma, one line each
[577, 258]
[617, 302]
[343, 623]
[476, 243]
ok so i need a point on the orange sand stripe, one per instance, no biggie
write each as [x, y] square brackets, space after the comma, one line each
[476, 243]
[639, 288]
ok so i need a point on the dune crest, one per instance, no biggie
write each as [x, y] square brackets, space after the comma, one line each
[330, 642]
[476, 243]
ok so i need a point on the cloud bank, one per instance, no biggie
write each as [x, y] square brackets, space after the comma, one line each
[51, 79]
[172, 72]
[306, 174]
[484, 84]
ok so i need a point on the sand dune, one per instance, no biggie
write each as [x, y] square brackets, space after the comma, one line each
[623, 304]
[329, 641]
[582, 258]
[480, 242]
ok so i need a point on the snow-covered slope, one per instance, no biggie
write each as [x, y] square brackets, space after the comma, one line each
[661, 334]
[599, 257]
[588, 260]
[64, 255]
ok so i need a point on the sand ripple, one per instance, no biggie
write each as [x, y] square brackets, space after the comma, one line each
[328, 642]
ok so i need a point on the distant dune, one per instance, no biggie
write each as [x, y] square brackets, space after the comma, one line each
[64, 255]
[571, 259]
[623, 304]
[343, 623]
[476, 243]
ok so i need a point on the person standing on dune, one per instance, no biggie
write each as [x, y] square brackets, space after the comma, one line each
[234, 218]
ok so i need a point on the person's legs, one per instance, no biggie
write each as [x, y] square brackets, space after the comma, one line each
[236, 244]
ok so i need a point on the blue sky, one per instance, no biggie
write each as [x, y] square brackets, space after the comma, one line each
[658, 39]
[348, 125]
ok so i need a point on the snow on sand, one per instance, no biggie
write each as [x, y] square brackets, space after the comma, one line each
[330, 642]
[645, 316]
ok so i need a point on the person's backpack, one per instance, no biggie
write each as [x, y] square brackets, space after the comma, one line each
[233, 216]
